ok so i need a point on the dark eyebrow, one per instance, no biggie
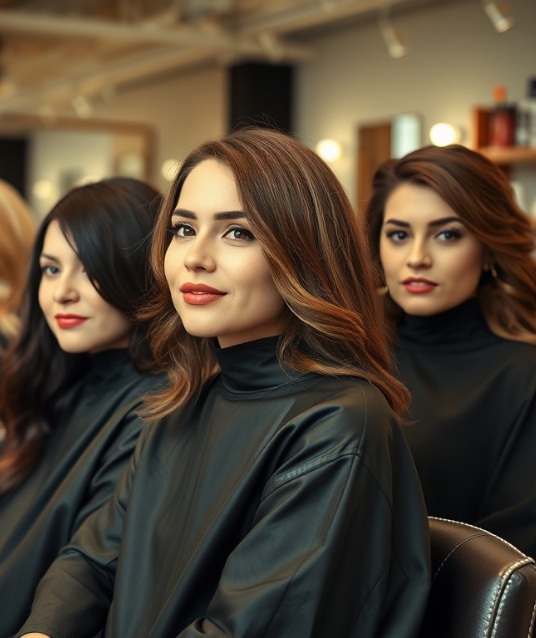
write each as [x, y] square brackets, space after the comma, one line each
[227, 215]
[45, 256]
[436, 222]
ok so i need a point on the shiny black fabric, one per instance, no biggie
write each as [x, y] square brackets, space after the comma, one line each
[95, 428]
[474, 411]
[277, 505]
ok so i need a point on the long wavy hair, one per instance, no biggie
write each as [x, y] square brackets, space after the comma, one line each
[17, 233]
[108, 224]
[480, 193]
[318, 256]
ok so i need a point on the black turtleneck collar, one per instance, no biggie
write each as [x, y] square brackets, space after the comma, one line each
[109, 363]
[252, 369]
[459, 326]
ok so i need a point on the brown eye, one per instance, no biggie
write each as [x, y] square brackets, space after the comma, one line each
[240, 234]
[397, 235]
[181, 230]
[449, 234]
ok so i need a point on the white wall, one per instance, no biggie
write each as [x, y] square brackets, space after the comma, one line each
[455, 58]
[184, 110]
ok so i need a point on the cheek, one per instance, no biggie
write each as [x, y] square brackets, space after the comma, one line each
[387, 259]
[169, 265]
[252, 275]
[266, 288]
[469, 265]
[110, 316]
[122, 323]
[43, 297]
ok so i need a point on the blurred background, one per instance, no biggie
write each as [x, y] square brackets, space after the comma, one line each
[90, 88]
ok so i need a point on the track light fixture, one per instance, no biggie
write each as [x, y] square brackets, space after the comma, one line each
[393, 39]
[498, 13]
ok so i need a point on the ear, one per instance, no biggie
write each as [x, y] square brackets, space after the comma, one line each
[488, 259]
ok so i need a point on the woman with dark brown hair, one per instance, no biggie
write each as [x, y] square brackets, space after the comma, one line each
[275, 494]
[455, 261]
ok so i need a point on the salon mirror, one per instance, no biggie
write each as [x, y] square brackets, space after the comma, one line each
[49, 157]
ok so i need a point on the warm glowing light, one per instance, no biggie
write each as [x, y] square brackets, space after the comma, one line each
[169, 169]
[43, 189]
[328, 150]
[443, 134]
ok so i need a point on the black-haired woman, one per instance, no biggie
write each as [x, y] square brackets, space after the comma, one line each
[71, 384]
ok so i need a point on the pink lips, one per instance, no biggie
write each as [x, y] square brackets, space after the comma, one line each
[200, 294]
[69, 321]
[418, 285]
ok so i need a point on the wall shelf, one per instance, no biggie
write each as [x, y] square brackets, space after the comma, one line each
[504, 155]
[509, 156]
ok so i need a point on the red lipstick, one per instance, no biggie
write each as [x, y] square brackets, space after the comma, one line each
[200, 294]
[418, 285]
[69, 321]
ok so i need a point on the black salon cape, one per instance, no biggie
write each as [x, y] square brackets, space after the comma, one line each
[95, 428]
[276, 506]
[474, 407]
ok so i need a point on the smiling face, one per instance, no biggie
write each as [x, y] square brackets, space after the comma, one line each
[81, 320]
[431, 261]
[219, 278]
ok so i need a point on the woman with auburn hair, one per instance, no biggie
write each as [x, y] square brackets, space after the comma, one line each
[455, 259]
[72, 382]
[275, 494]
[17, 232]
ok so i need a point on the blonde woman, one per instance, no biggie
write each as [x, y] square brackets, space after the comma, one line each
[17, 232]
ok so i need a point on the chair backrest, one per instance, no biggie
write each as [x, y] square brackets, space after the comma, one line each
[482, 587]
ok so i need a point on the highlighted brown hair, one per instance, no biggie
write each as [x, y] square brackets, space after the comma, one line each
[480, 193]
[318, 256]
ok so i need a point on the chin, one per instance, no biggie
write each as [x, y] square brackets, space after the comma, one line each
[73, 349]
[421, 309]
[198, 331]
[70, 347]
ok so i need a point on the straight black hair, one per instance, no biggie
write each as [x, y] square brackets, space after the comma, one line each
[109, 226]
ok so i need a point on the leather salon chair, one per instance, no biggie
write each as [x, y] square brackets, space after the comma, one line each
[482, 587]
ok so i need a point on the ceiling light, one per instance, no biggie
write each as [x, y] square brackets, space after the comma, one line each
[272, 46]
[82, 106]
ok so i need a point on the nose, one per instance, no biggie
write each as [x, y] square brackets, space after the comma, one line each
[65, 290]
[200, 255]
[418, 256]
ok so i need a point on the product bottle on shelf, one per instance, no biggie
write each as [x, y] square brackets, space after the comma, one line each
[526, 117]
[503, 120]
[531, 109]
[523, 122]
